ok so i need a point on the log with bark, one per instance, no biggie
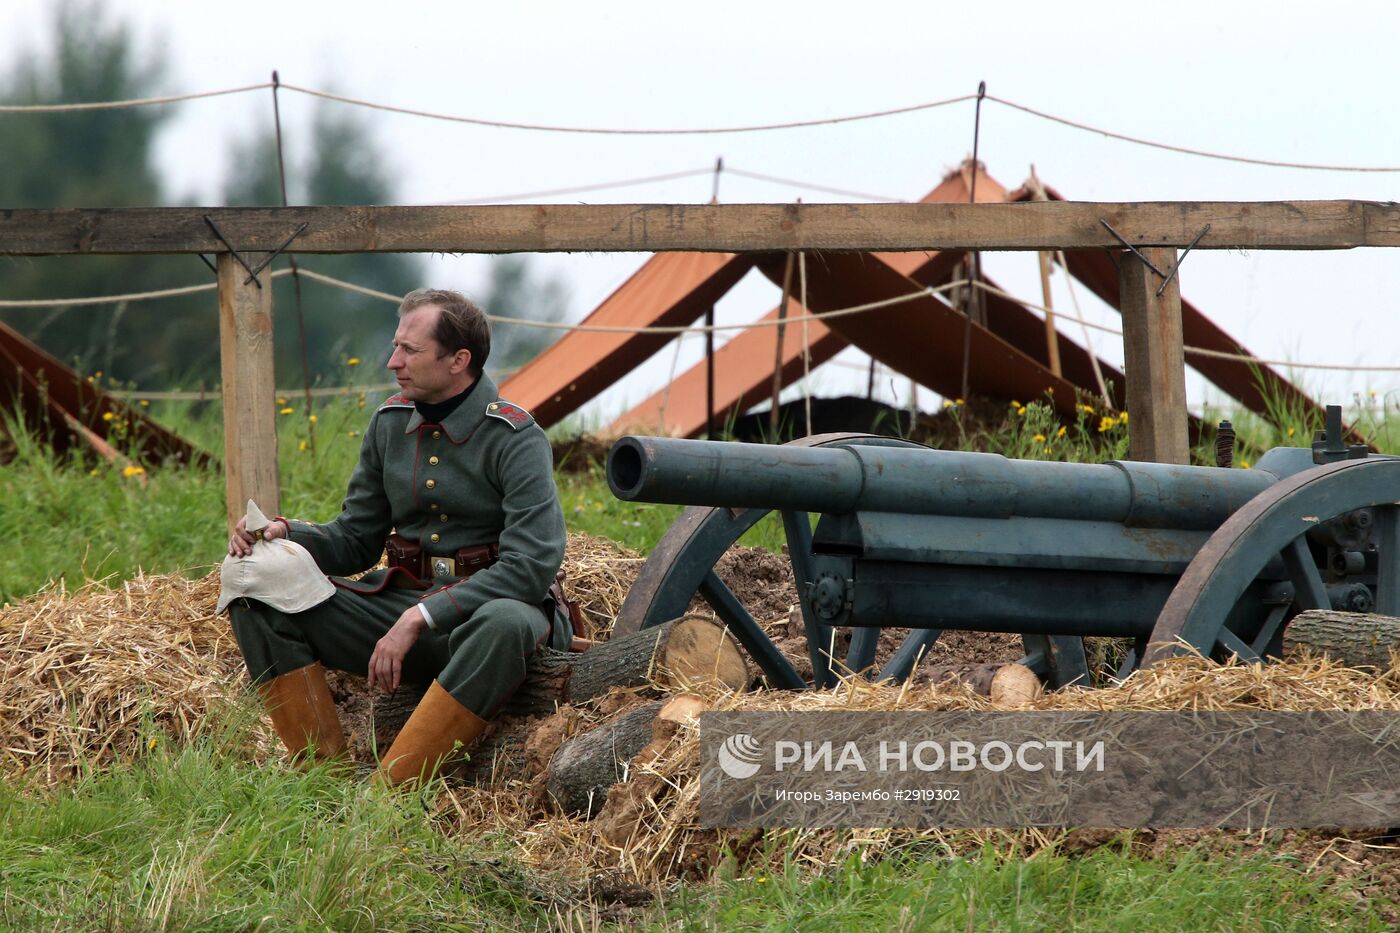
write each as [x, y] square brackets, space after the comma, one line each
[585, 767]
[1356, 639]
[1007, 685]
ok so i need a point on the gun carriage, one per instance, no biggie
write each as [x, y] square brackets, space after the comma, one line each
[1175, 558]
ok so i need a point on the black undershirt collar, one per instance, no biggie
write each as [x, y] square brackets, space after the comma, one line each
[437, 412]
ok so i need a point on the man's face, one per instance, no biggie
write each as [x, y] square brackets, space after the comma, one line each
[423, 374]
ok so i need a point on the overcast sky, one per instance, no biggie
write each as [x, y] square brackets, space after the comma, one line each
[1297, 82]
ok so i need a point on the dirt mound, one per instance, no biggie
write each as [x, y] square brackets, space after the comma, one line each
[763, 582]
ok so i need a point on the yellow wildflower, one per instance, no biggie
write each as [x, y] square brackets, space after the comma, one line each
[947, 404]
[92, 472]
[152, 746]
[1087, 409]
[957, 401]
[281, 400]
[133, 470]
[1123, 417]
[1106, 422]
[352, 433]
[286, 411]
[145, 403]
[1021, 411]
[1244, 464]
[107, 416]
[1015, 404]
[311, 418]
[301, 446]
[1292, 431]
[1061, 432]
[1039, 439]
[353, 361]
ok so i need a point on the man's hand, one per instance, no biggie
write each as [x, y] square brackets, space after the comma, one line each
[386, 663]
[240, 543]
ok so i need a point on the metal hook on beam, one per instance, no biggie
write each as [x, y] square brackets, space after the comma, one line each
[1189, 246]
[1133, 249]
[253, 270]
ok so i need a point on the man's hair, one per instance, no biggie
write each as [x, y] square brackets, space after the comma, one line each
[461, 326]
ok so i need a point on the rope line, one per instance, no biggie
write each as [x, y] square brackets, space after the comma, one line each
[679, 329]
[579, 189]
[695, 131]
[134, 102]
[113, 299]
[625, 131]
[1186, 150]
[793, 182]
[1203, 351]
[655, 329]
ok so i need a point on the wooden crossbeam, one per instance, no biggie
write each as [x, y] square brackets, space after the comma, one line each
[705, 227]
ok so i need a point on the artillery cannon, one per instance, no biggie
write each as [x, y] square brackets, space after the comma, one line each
[1176, 558]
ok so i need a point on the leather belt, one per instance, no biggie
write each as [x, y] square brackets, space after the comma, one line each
[407, 555]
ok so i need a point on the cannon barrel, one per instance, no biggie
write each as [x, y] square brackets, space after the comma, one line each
[862, 477]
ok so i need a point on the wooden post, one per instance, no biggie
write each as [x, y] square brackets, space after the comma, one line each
[250, 393]
[1153, 359]
[1052, 337]
[778, 352]
[710, 373]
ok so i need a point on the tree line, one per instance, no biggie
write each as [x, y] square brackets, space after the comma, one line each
[106, 158]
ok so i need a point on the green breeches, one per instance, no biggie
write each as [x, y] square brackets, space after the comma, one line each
[481, 662]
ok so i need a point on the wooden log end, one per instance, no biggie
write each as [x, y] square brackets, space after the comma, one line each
[1014, 685]
[698, 654]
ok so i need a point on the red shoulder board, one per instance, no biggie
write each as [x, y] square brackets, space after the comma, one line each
[395, 401]
[513, 415]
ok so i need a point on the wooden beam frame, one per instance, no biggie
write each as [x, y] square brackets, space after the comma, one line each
[704, 227]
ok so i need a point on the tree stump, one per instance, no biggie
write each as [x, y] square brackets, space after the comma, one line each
[1356, 639]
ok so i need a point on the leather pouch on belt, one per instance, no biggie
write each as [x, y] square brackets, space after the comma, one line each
[404, 554]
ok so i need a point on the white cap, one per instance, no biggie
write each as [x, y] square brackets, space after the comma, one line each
[279, 572]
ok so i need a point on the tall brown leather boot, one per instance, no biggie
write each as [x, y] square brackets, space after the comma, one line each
[301, 709]
[438, 727]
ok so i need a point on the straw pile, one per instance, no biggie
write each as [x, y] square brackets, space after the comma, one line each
[86, 671]
[649, 833]
[598, 574]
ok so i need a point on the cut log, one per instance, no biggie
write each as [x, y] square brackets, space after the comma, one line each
[1356, 639]
[583, 774]
[1006, 684]
[1014, 685]
[587, 765]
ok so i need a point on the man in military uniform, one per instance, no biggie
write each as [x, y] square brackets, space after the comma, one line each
[466, 482]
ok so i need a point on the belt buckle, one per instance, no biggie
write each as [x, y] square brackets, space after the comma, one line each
[442, 566]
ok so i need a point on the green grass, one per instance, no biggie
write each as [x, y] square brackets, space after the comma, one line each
[80, 521]
[1105, 890]
[198, 837]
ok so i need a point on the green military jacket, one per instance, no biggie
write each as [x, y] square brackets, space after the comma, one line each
[485, 474]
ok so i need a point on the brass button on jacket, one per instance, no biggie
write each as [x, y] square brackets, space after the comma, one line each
[431, 483]
[433, 460]
[435, 538]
